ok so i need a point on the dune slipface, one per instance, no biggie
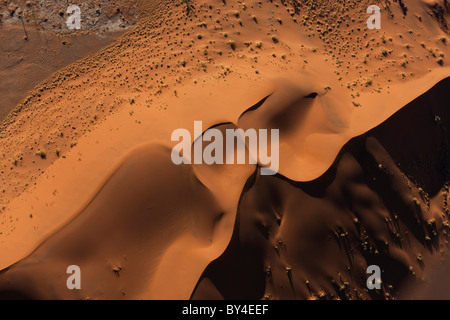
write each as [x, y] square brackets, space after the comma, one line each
[120, 236]
[88, 177]
[299, 240]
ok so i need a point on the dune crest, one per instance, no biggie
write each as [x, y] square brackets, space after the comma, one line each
[87, 176]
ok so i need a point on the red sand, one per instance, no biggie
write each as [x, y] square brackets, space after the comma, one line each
[87, 177]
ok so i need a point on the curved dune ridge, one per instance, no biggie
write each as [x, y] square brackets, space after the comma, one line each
[382, 202]
[87, 177]
[290, 239]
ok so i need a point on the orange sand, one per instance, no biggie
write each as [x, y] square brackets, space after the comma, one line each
[362, 157]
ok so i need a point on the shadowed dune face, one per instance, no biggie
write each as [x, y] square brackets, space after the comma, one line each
[299, 112]
[225, 181]
[380, 203]
[428, 161]
[118, 240]
[291, 240]
[154, 230]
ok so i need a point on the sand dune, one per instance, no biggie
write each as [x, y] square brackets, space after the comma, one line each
[87, 178]
[300, 240]
[132, 207]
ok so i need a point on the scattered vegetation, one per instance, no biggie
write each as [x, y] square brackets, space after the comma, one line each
[232, 44]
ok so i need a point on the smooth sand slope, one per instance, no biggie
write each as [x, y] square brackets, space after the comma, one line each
[87, 177]
[315, 239]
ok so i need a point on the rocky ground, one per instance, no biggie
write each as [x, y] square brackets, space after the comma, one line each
[52, 15]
